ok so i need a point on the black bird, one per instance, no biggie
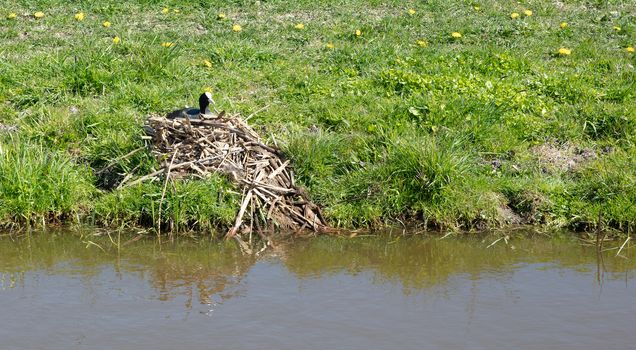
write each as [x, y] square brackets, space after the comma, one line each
[193, 113]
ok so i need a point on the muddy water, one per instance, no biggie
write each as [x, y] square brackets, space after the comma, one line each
[64, 292]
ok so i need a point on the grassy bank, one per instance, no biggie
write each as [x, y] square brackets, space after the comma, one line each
[520, 117]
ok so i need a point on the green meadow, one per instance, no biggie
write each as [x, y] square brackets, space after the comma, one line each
[460, 115]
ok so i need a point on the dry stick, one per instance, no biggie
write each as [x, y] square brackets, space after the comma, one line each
[256, 221]
[271, 207]
[245, 249]
[199, 170]
[163, 193]
[270, 187]
[114, 161]
[129, 175]
[495, 242]
[278, 170]
[623, 246]
[255, 113]
[284, 177]
[259, 194]
[308, 212]
[265, 191]
[278, 180]
[239, 216]
[274, 163]
[242, 134]
[299, 216]
[274, 139]
[141, 179]
[446, 235]
[251, 220]
[153, 174]
[265, 147]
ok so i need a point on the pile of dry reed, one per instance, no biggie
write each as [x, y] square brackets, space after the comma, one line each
[199, 147]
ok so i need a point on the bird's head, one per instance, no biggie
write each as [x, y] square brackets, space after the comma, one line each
[204, 102]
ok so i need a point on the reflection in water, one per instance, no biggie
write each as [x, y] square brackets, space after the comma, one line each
[11, 280]
[61, 292]
[190, 269]
[209, 269]
[418, 263]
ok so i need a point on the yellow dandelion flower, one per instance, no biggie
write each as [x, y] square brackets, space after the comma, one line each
[565, 51]
[106, 24]
[237, 28]
[79, 16]
[617, 28]
[176, 11]
[514, 15]
[358, 32]
[38, 14]
[299, 26]
[629, 49]
[207, 63]
[12, 15]
[411, 12]
[167, 44]
[116, 40]
[330, 46]
[456, 35]
[563, 25]
[220, 16]
[422, 43]
[165, 10]
[527, 13]
[477, 8]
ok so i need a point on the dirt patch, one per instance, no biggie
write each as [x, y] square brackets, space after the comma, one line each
[554, 157]
[527, 205]
[7, 128]
[508, 216]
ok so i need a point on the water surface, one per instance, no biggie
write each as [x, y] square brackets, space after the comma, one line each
[61, 291]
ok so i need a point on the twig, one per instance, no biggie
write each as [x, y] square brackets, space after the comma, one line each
[623, 246]
[446, 235]
[153, 174]
[255, 113]
[163, 193]
[141, 179]
[278, 170]
[495, 242]
[239, 216]
[114, 161]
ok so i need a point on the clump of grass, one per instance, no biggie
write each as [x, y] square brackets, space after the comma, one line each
[38, 185]
[203, 205]
[421, 168]
[606, 188]
[375, 179]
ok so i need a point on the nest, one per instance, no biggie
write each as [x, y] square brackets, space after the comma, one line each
[227, 145]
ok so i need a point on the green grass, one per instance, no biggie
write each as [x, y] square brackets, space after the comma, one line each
[380, 129]
[40, 185]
